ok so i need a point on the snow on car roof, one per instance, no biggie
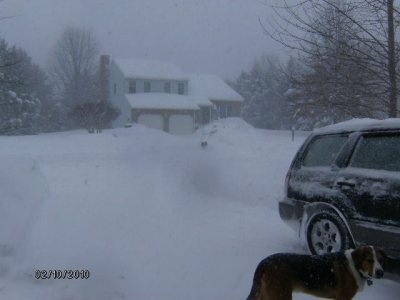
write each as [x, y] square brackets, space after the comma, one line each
[360, 125]
[164, 101]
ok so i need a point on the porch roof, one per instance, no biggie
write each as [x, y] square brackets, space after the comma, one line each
[166, 101]
[212, 87]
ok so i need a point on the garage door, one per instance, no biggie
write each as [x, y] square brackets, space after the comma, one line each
[151, 121]
[181, 124]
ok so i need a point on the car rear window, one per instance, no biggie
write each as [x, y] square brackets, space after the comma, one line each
[377, 152]
[323, 150]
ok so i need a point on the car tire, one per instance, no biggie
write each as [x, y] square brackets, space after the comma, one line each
[327, 233]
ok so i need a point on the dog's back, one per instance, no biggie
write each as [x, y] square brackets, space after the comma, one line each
[277, 276]
[334, 276]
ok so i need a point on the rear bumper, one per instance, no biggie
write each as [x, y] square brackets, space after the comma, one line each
[291, 212]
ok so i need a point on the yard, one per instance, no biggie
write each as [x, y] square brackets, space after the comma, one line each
[150, 215]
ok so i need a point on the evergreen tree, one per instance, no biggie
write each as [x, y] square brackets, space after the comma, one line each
[20, 91]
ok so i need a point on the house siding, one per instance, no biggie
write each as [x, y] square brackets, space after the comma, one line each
[119, 86]
[157, 85]
[117, 99]
[204, 114]
[226, 108]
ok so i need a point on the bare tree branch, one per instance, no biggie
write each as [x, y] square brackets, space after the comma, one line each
[369, 30]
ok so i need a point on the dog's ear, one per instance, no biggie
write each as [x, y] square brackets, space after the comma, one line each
[359, 254]
[365, 253]
[381, 256]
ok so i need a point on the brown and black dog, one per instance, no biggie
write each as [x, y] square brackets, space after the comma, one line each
[334, 276]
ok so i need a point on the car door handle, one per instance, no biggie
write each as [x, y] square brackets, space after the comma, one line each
[346, 183]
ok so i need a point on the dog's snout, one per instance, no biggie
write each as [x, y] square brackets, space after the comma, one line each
[379, 273]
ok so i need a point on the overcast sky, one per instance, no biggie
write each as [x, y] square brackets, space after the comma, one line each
[214, 36]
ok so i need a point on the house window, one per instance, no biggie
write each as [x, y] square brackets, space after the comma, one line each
[181, 88]
[115, 88]
[147, 87]
[132, 86]
[167, 87]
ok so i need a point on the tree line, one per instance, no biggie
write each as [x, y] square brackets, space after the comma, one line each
[63, 97]
[344, 65]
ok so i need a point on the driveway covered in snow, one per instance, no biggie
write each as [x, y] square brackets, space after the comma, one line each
[150, 215]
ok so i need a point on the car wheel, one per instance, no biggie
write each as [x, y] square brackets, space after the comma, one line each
[326, 233]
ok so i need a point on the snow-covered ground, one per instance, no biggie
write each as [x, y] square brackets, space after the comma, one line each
[150, 215]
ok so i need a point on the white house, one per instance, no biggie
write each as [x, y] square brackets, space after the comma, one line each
[160, 95]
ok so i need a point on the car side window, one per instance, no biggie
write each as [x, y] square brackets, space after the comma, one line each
[377, 152]
[323, 150]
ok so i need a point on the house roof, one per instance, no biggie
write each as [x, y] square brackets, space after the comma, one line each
[212, 87]
[165, 101]
[149, 69]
